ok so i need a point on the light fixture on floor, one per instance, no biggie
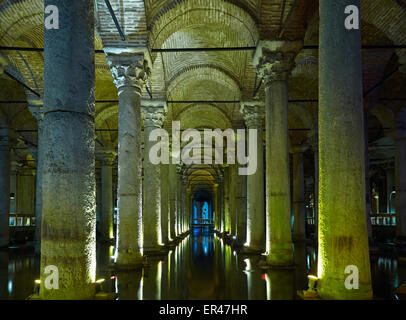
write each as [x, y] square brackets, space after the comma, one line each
[311, 292]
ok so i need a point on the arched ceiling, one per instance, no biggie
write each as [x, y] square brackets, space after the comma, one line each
[202, 75]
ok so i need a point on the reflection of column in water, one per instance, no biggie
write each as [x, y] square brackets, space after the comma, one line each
[129, 284]
[256, 286]
[152, 281]
[280, 284]
[303, 263]
[4, 271]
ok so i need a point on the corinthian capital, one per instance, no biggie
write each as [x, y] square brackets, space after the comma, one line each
[130, 69]
[154, 112]
[274, 60]
[253, 113]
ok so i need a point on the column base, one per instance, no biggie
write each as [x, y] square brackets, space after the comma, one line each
[280, 259]
[252, 250]
[334, 289]
[129, 261]
[156, 251]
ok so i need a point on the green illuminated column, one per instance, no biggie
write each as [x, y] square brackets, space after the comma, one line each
[68, 237]
[233, 201]
[274, 61]
[130, 71]
[253, 113]
[343, 238]
[154, 116]
[241, 208]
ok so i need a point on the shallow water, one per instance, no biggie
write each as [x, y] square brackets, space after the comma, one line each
[201, 267]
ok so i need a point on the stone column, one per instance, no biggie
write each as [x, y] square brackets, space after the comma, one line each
[4, 187]
[154, 116]
[221, 203]
[241, 208]
[343, 238]
[165, 207]
[179, 200]
[172, 198]
[226, 187]
[130, 71]
[183, 204]
[216, 206]
[400, 174]
[299, 233]
[274, 61]
[36, 108]
[13, 186]
[68, 237]
[233, 170]
[253, 115]
[106, 216]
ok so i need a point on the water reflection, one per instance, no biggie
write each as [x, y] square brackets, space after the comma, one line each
[201, 267]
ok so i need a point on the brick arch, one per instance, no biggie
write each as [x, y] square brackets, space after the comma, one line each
[184, 14]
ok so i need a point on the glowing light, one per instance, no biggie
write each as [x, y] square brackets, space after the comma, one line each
[100, 281]
[312, 277]
[38, 281]
[248, 266]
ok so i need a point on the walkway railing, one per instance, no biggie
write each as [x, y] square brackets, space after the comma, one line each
[202, 222]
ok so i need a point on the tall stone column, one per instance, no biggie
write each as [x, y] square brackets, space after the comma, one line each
[36, 108]
[130, 70]
[221, 203]
[233, 170]
[106, 216]
[4, 187]
[172, 198]
[179, 200]
[165, 206]
[400, 173]
[241, 208]
[343, 238]
[154, 116]
[226, 186]
[253, 113]
[68, 237]
[274, 61]
[299, 233]
[14, 167]
[183, 203]
[216, 206]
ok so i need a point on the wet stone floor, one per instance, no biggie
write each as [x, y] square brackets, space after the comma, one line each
[201, 267]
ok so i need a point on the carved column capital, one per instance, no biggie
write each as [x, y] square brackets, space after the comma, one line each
[154, 113]
[130, 69]
[253, 113]
[274, 60]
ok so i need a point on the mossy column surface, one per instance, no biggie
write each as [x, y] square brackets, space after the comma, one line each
[343, 238]
[154, 116]
[68, 230]
[273, 61]
[130, 70]
[4, 187]
[253, 113]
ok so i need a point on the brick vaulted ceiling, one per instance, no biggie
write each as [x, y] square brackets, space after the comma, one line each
[205, 75]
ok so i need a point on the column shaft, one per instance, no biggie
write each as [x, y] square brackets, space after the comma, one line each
[68, 179]
[165, 203]
[298, 197]
[278, 212]
[343, 238]
[106, 217]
